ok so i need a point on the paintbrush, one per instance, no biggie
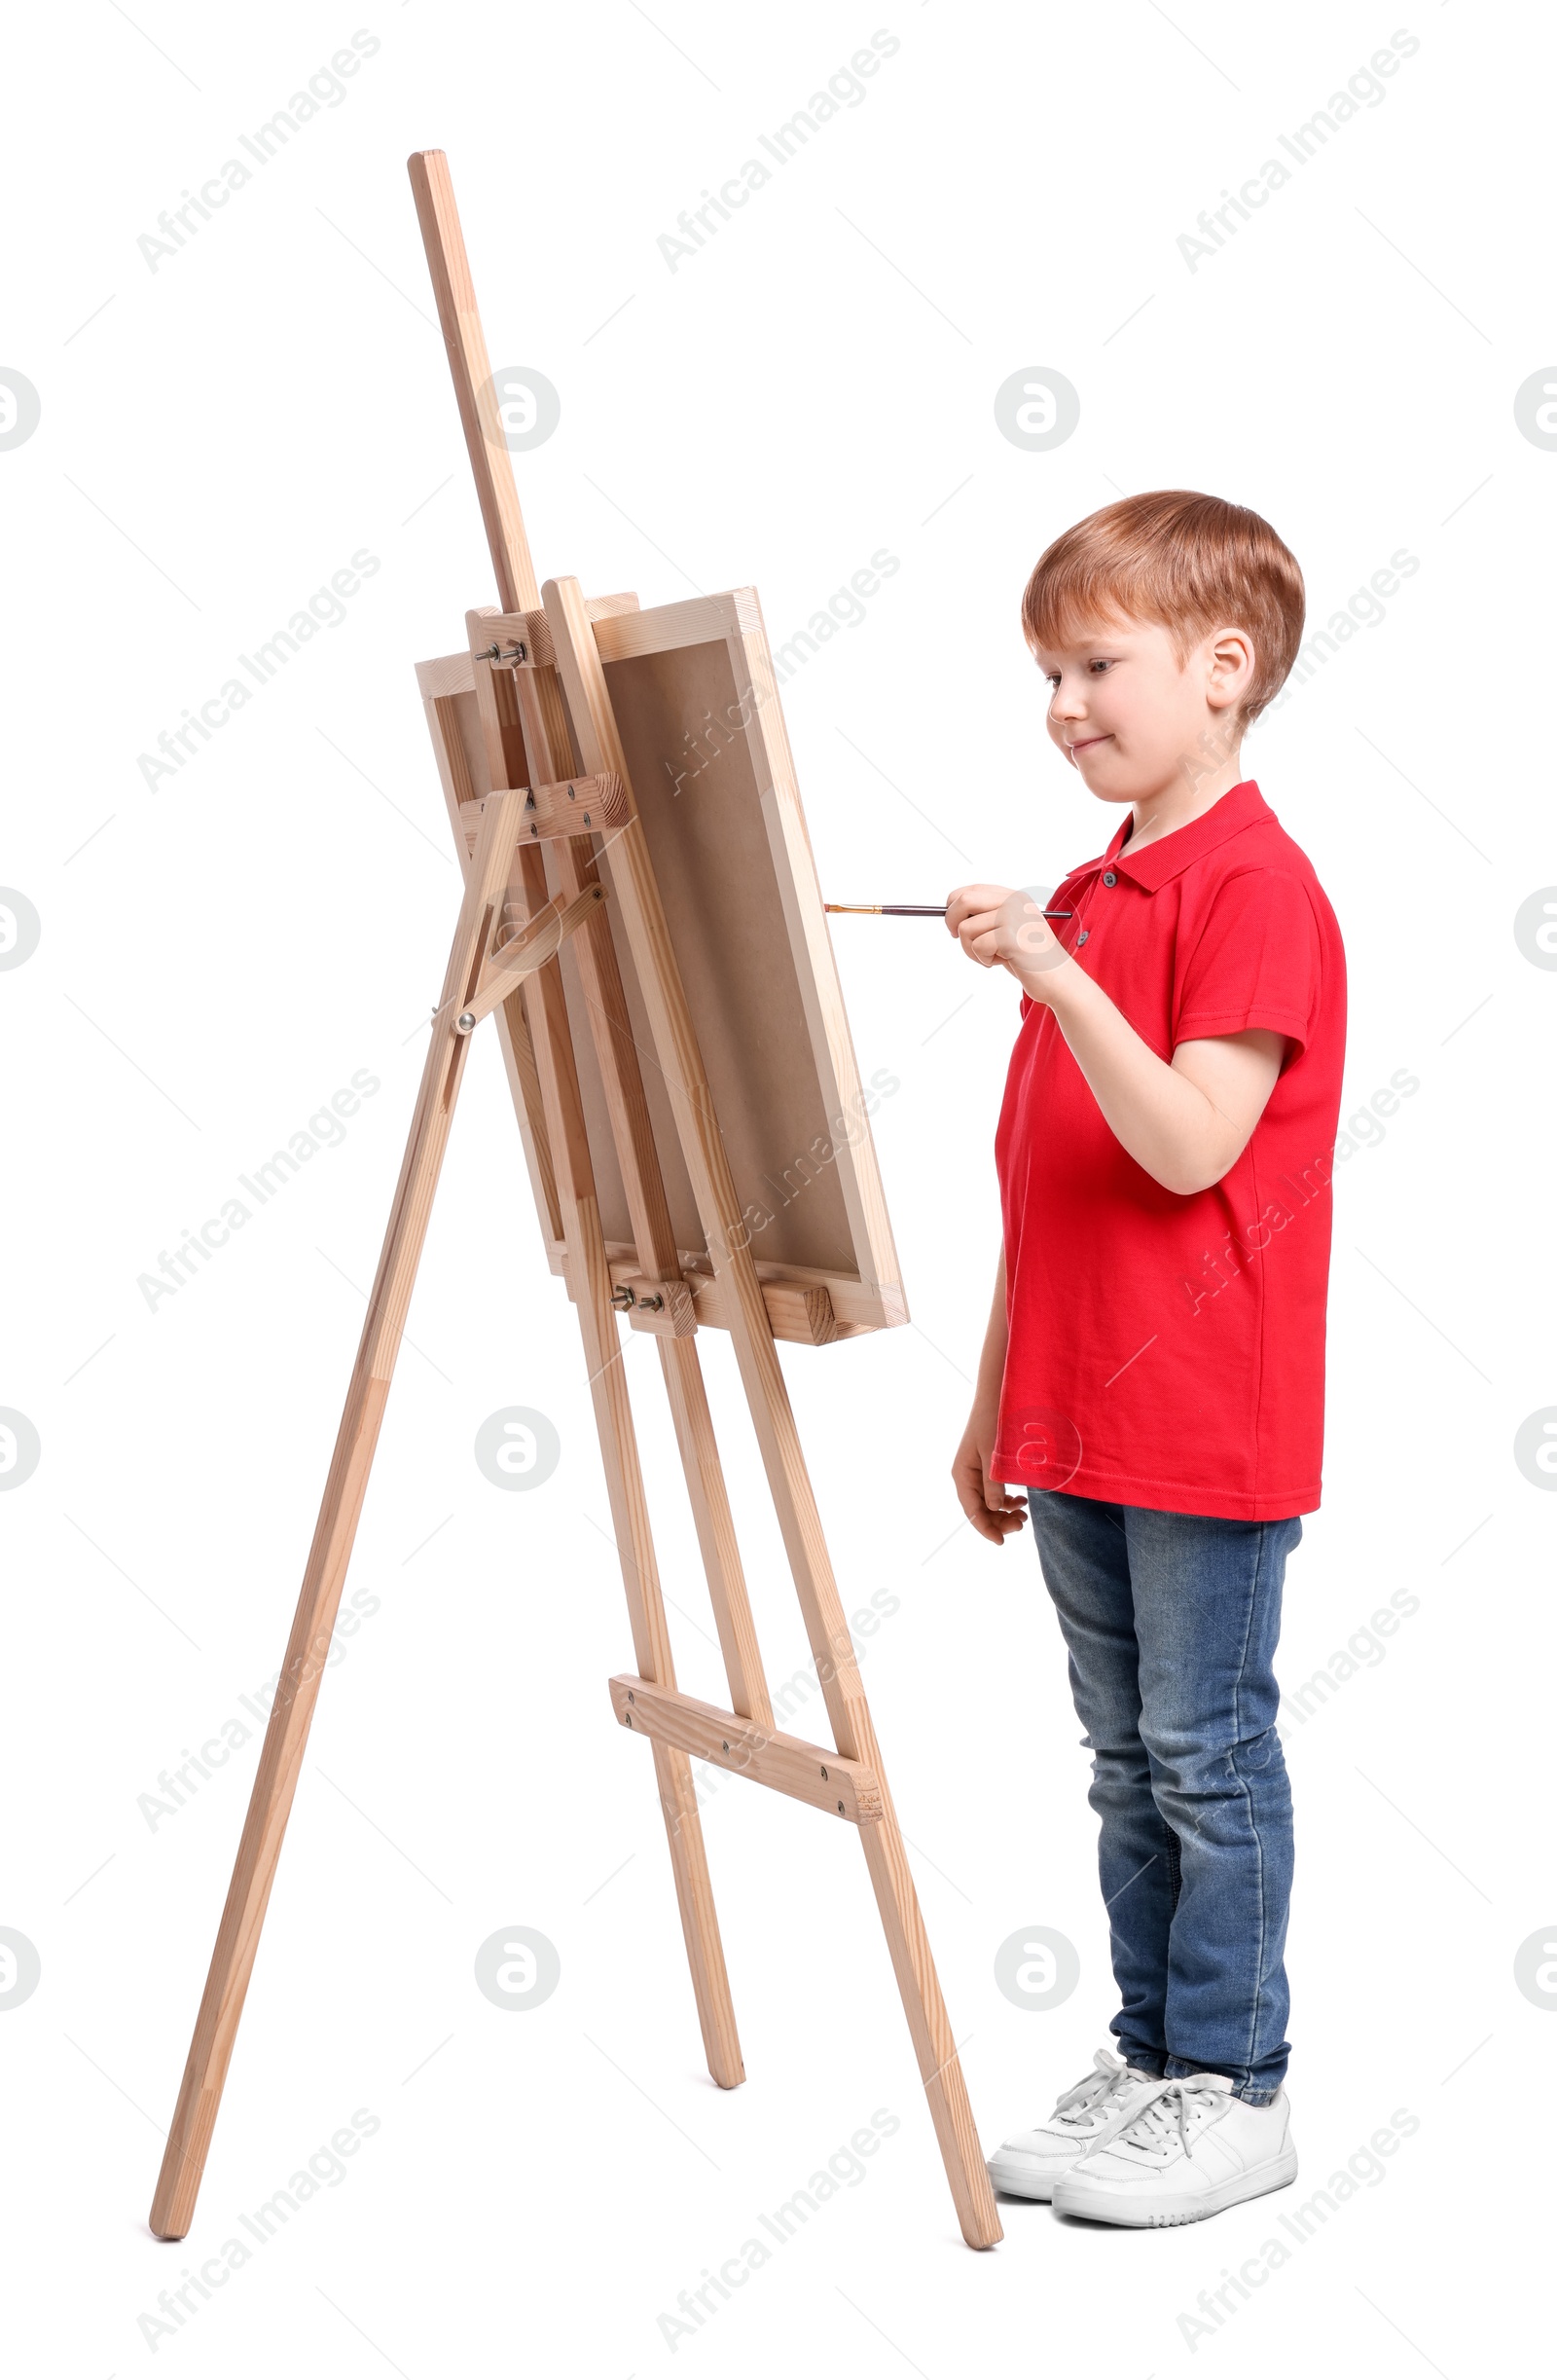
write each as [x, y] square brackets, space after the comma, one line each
[900, 908]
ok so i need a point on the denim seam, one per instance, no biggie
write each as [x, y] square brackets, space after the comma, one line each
[1249, 1798]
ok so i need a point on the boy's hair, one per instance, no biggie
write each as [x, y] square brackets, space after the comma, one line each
[1192, 562]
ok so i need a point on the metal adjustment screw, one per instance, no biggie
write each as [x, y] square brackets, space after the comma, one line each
[571, 795]
[621, 1298]
[652, 1305]
[630, 1696]
[627, 1718]
[825, 1772]
[724, 1747]
[840, 1810]
[465, 1023]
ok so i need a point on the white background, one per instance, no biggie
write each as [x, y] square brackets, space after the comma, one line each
[217, 955]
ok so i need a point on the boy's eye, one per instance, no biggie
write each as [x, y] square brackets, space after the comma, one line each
[1095, 668]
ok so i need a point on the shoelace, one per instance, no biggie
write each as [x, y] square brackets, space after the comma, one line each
[1168, 2111]
[1085, 2095]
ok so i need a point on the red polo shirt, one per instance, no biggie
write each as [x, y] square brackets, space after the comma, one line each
[1165, 1351]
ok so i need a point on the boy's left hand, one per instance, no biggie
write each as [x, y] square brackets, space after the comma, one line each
[998, 927]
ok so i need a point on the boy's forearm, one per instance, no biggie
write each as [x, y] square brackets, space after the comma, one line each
[1184, 1121]
[992, 1509]
[1164, 1120]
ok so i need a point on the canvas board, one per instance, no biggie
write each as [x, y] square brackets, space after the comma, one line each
[697, 707]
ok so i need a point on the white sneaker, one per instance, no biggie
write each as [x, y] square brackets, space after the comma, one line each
[1190, 2151]
[1100, 2103]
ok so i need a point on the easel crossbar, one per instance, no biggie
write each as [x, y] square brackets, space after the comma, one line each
[579, 805]
[807, 1772]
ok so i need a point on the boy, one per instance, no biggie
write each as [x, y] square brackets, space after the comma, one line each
[1153, 1367]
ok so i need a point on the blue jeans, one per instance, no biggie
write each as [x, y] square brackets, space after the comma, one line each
[1171, 1620]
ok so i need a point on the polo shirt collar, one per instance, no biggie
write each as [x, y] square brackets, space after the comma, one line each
[1157, 863]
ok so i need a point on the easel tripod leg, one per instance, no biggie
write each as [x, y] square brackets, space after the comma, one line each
[700, 1926]
[641, 1576]
[238, 1939]
[629, 1514]
[940, 2068]
[286, 1737]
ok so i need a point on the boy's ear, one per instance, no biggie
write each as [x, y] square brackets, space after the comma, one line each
[1230, 653]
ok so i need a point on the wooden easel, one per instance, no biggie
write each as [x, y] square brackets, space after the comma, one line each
[559, 777]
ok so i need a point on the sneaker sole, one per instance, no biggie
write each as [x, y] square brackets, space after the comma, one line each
[1017, 2182]
[1101, 2206]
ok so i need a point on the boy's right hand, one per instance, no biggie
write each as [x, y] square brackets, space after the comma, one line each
[998, 927]
[989, 1507]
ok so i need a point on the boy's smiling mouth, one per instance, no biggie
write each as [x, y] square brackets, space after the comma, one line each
[1084, 744]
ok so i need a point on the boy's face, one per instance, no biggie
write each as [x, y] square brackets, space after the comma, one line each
[1131, 718]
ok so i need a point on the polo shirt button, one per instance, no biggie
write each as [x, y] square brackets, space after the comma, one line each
[1082, 935]
[1109, 877]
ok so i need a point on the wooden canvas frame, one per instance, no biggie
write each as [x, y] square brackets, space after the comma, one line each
[721, 811]
[556, 757]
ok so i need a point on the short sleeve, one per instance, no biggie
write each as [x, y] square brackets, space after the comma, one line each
[1257, 962]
